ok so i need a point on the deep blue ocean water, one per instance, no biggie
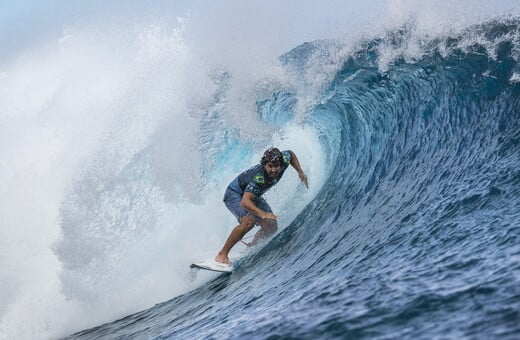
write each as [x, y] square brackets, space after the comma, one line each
[416, 231]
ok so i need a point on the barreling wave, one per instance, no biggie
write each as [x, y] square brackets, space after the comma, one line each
[415, 231]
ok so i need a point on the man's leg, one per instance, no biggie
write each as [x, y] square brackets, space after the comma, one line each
[267, 229]
[246, 224]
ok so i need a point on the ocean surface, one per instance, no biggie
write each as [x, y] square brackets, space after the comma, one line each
[412, 230]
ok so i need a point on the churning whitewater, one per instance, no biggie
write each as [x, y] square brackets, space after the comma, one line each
[414, 231]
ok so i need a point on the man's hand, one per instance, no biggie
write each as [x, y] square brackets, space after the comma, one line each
[296, 165]
[303, 178]
[268, 216]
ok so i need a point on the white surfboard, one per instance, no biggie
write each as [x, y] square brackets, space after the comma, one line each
[213, 266]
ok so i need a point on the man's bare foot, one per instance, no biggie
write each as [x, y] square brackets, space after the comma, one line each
[222, 258]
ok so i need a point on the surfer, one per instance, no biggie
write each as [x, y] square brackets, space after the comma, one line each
[243, 198]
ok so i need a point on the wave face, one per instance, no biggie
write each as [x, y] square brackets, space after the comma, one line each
[415, 230]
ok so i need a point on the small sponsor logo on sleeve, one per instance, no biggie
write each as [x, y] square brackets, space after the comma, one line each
[286, 158]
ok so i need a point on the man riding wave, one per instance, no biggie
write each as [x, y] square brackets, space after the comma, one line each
[243, 198]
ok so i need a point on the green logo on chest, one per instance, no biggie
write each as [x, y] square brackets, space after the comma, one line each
[259, 179]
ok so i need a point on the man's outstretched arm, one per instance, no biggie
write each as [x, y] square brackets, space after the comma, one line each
[296, 165]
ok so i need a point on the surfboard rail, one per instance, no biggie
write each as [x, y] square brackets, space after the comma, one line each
[213, 266]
